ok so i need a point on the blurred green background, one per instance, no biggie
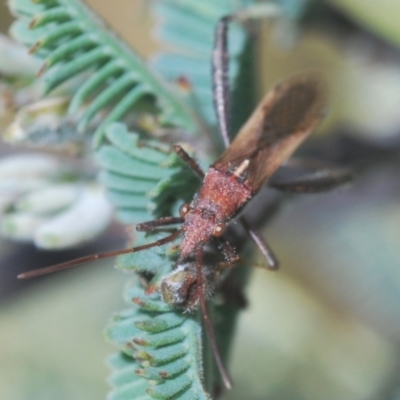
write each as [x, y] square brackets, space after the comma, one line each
[326, 326]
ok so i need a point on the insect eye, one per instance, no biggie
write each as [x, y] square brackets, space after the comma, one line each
[219, 229]
[184, 209]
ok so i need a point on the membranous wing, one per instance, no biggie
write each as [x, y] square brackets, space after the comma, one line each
[283, 119]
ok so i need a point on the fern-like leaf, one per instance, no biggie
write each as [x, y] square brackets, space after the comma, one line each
[160, 345]
[142, 177]
[189, 27]
[73, 40]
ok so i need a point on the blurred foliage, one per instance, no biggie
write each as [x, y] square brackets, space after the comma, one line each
[326, 325]
[49, 203]
[44, 27]
[379, 16]
[143, 177]
[47, 324]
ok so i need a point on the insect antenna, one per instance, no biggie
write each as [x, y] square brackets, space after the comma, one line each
[272, 261]
[190, 162]
[92, 257]
[207, 322]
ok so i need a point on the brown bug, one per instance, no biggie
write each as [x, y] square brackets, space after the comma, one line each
[283, 119]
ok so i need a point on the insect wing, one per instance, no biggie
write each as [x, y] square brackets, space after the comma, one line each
[283, 119]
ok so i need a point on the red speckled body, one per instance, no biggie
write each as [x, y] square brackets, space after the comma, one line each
[218, 200]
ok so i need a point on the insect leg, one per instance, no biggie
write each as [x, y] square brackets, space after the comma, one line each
[220, 62]
[306, 176]
[220, 59]
[220, 78]
[207, 322]
[151, 225]
[272, 261]
[190, 162]
[228, 252]
[93, 257]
